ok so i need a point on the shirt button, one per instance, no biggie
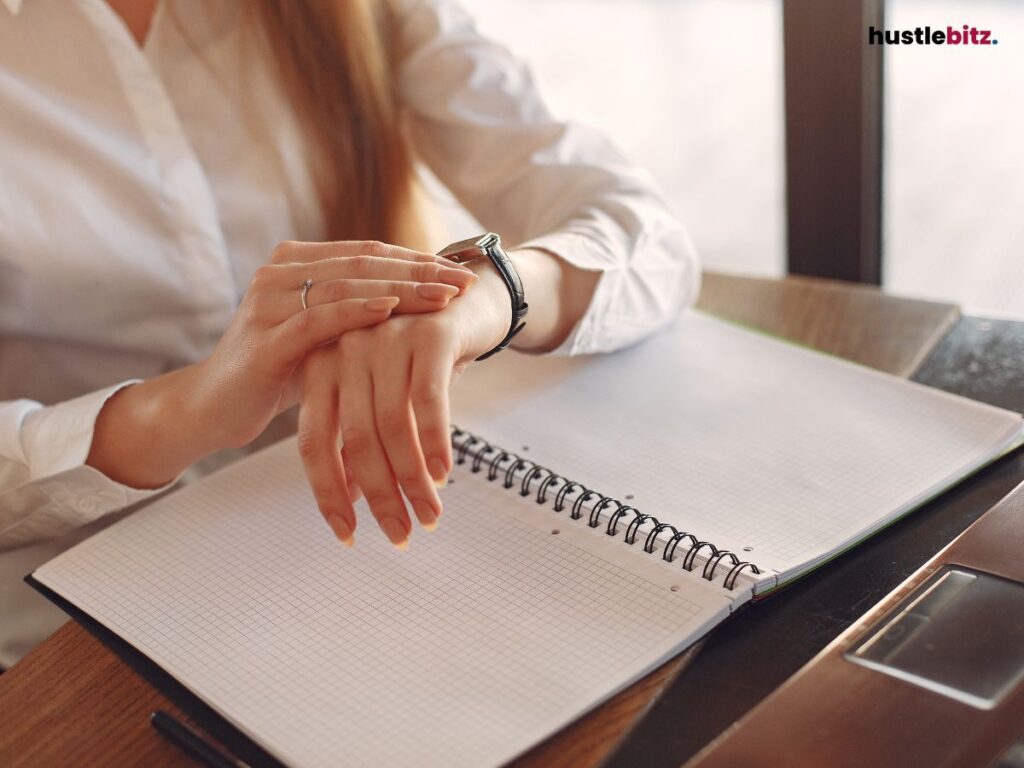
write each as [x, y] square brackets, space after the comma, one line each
[87, 504]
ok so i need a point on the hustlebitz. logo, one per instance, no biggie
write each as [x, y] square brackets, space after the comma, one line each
[968, 35]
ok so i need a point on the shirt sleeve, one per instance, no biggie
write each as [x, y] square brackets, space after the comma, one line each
[46, 488]
[478, 122]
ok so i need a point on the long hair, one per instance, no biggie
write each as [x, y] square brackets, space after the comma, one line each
[336, 59]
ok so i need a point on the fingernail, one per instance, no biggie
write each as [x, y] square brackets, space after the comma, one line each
[381, 304]
[341, 530]
[425, 513]
[439, 472]
[395, 532]
[460, 277]
[436, 291]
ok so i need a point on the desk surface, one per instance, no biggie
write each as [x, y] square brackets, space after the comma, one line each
[71, 701]
[746, 658]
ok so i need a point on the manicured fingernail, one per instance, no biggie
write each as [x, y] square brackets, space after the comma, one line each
[395, 532]
[425, 514]
[341, 530]
[381, 304]
[436, 291]
[438, 471]
[460, 277]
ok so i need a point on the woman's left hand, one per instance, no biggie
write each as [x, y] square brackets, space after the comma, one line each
[384, 391]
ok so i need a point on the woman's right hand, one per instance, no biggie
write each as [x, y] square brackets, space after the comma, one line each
[247, 380]
[148, 433]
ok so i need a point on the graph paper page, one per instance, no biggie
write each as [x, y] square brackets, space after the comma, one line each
[485, 636]
[775, 452]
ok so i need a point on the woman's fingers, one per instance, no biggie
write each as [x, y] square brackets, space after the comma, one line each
[364, 455]
[294, 251]
[289, 277]
[412, 297]
[428, 393]
[277, 290]
[309, 328]
[397, 431]
[378, 268]
[318, 447]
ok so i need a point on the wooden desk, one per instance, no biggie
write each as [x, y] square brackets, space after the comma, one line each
[748, 657]
[72, 702]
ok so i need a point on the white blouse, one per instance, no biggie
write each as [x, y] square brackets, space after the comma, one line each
[140, 188]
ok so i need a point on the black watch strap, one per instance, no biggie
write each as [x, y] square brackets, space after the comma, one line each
[489, 246]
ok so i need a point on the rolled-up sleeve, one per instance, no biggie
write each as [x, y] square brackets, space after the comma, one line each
[46, 488]
[477, 120]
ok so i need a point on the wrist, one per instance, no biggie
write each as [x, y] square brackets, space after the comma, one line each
[143, 436]
[205, 424]
[191, 411]
[493, 316]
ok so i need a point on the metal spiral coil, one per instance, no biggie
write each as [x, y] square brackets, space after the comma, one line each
[546, 481]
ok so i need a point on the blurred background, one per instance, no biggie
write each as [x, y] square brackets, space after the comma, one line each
[693, 90]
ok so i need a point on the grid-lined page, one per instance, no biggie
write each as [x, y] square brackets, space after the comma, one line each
[778, 453]
[487, 635]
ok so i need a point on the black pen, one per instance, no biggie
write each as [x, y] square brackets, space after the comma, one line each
[192, 742]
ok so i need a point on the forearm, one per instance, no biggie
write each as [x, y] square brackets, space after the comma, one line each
[149, 433]
[558, 294]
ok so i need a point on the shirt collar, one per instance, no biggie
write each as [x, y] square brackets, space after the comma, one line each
[12, 5]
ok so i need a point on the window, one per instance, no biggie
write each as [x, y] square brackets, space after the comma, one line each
[690, 90]
[953, 204]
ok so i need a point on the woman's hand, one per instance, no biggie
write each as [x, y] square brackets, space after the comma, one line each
[384, 391]
[247, 380]
[148, 433]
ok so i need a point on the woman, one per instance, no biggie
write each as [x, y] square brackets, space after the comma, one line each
[172, 174]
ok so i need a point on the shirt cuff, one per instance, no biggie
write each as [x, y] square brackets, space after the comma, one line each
[586, 253]
[635, 295]
[56, 441]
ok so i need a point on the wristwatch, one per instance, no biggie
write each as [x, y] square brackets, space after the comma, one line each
[489, 247]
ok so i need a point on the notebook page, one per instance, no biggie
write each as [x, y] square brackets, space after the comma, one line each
[777, 453]
[484, 637]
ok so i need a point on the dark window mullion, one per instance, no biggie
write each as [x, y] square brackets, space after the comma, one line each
[833, 87]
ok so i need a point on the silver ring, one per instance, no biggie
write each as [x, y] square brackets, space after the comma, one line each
[305, 290]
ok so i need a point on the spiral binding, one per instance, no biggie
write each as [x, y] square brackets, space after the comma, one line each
[540, 481]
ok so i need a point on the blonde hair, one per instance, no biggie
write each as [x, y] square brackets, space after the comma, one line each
[336, 59]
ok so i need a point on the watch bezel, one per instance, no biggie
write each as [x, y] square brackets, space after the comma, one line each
[477, 247]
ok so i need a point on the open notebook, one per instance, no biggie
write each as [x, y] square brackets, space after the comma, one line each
[605, 513]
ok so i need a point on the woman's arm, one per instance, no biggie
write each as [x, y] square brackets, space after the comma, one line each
[478, 120]
[65, 465]
[147, 434]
